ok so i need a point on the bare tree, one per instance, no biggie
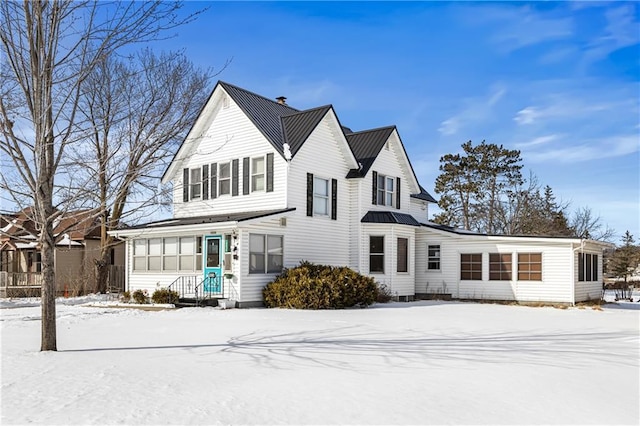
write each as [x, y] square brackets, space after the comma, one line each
[48, 50]
[138, 111]
[585, 224]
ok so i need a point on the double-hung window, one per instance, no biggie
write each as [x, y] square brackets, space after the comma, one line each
[257, 174]
[376, 254]
[196, 183]
[320, 196]
[224, 178]
[433, 257]
[386, 190]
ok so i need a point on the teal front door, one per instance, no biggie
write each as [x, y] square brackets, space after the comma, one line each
[213, 264]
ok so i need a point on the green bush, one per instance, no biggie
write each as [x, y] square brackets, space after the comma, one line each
[164, 295]
[311, 286]
[140, 297]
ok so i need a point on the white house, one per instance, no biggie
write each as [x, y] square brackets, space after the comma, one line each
[259, 185]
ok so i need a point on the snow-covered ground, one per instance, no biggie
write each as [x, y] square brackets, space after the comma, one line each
[400, 363]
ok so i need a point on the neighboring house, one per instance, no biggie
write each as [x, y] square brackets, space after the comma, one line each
[259, 185]
[77, 237]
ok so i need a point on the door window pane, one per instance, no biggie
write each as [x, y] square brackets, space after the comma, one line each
[213, 253]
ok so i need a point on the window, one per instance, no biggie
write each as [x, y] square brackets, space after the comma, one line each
[265, 253]
[530, 266]
[257, 174]
[433, 257]
[320, 196]
[34, 260]
[403, 255]
[500, 266]
[587, 267]
[386, 190]
[227, 262]
[376, 254]
[167, 254]
[170, 252]
[224, 178]
[471, 266]
[196, 183]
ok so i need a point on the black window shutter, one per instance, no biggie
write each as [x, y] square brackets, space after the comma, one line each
[334, 199]
[185, 185]
[234, 177]
[205, 182]
[309, 194]
[214, 180]
[375, 187]
[245, 175]
[270, 172]
[397, 193]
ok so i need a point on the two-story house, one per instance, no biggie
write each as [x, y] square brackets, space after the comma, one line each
[259, 185]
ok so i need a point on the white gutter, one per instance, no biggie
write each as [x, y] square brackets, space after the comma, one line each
[170, 230]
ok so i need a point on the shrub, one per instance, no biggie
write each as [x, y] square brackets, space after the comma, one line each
[311, 286]
[384, 294]
[140, 297]
[125, 297]
[164, 295]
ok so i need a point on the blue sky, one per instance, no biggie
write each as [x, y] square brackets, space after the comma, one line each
[557, 80]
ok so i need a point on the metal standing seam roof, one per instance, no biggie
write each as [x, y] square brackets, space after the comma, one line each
[263, 112]
[298, 126]
[366, 146]
[197, 220]
[373, 216]
[424, 195]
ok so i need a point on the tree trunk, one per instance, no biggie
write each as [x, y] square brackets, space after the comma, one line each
[48, 291]
[102, 271]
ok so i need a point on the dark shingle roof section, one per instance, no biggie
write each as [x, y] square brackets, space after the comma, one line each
[389, 217]
[366, 146]
[297, 127]
[233, 217]
[263, 112]
[424, 195]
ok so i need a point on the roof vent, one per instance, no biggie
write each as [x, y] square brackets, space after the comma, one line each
[281, 100]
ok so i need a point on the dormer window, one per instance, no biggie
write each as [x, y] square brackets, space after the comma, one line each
[386, 190]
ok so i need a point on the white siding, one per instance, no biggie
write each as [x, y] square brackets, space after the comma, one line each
[387, 163]
[319, 239]
[556, 270]
[419, 209]
[588, 290]
[399, 283]
[230, 136]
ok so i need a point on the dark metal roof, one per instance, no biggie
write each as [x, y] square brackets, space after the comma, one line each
[263, 112]
[424, 195]
[389, 217]
[233, 217]
[366, 146]
[298, 126]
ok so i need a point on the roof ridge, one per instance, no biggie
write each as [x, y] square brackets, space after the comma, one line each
[392, 126]
[224, 83]
[327, 106]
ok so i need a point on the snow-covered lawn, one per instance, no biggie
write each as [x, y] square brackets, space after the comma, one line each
[401, 363]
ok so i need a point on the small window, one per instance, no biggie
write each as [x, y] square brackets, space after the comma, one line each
[433, 257]
[169, 254]
[471, 266]
[403, 255]
[224, 178]
[320, 196]
[196, 183]
[376, 254]
[227, 262]
[186, 254]
[274, 253]
[154, 261]
[500, 266]
[530, 266]
[257, 174]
